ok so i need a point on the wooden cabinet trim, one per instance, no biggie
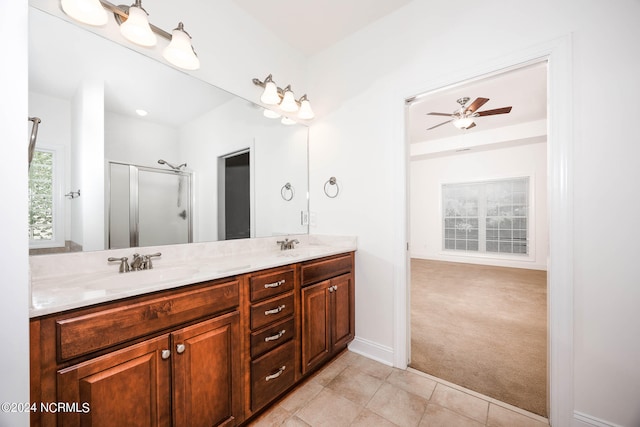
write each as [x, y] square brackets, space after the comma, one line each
[326, 268]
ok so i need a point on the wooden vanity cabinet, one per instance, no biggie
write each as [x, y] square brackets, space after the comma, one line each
[327, 309]
[118, 370]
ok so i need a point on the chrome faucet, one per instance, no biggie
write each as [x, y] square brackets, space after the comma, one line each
[140, 262]
[287, 244]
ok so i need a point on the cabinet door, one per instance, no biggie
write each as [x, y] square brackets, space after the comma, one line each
[206, 373]
[342, 311]
[316, 340]
[129, 387]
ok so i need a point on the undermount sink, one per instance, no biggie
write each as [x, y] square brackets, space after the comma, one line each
[141, 278]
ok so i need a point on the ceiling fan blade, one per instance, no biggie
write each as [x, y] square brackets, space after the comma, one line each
[502, 110]
[475, 105]
[439, 114]
[472, 125]
[443, 123]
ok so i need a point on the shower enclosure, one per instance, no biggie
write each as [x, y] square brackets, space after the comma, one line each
[148, 206]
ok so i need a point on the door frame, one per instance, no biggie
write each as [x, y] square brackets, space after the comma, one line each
[557, 53]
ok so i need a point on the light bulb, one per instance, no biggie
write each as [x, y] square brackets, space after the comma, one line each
[180, 52]
[463, 122]
[86, 11]
[288, 103]
[136, 28]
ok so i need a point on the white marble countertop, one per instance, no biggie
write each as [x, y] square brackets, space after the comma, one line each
[64, 282]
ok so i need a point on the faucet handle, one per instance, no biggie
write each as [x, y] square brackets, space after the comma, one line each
[147, 260]
[124, 265]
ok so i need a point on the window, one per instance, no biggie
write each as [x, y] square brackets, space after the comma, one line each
[45, 199]
[489, 216]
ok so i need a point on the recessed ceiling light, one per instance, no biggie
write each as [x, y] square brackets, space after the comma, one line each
[141, 112]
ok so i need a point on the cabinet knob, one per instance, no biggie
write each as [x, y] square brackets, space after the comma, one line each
[333, 288]
[166, 354]
[180, 348]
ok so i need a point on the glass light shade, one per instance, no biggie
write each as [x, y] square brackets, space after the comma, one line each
[86, 11]
[270, 94]
[305, 113]
[288, 103]
[287, 121]
[179, 52]
[270, 114]
[136, 28]
[463, 123]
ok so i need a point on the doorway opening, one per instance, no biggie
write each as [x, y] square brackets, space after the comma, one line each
[479, 257]
[234, 196]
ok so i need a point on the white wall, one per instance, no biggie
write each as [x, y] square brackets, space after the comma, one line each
[426, 179]
[14, 304]
[359, 85]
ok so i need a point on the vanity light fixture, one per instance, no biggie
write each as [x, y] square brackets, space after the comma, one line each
[287, 121]
[270, 114]
[87, 11]
[180, 52]
[135, 27]
[285, 100]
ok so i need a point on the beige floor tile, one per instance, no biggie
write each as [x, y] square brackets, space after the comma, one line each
[355, 385]
[330, 371]
[329, 409]
[300, 396]
[502, 417]
[463, 403]
[368, 418]
[398, 406]
[371, 367]
[275, 416]
[294, 422]
[412, 382]
[438, 416]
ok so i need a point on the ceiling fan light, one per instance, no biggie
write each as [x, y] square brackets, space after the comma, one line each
[86, 11]
[289, 103]
[180, 52]
[463, 122]
[136, 28]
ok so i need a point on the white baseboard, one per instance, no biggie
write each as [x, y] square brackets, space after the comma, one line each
[379, 353]
[583, 420]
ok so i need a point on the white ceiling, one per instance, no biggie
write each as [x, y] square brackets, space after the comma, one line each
[311, 26]
[525, 89]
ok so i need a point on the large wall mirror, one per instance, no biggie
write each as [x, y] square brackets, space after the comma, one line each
[201, 165]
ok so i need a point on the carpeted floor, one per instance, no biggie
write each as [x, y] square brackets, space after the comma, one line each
[483, 328]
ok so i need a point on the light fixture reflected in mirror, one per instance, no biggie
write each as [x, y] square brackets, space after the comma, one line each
[136, 28]
[86, 11]
[180, 52]
[287, 121]
[284, 99]
[270, 114]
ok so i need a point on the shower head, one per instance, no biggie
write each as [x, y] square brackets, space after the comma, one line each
[175, 168]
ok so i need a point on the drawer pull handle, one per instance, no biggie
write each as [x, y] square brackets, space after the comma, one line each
[166, 354]
[274, 284]
[275, 310]
[276, 375]
[276, 336]
[180, 348]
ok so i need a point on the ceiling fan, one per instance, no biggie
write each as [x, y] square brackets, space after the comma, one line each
[463, 117]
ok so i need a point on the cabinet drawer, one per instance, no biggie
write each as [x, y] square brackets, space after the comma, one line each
[266, 339]
[271, 310]
[316, 271]
[85, 333]
[272, 374]
[271, 284]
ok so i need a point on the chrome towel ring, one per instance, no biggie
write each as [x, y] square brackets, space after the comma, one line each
[332, 181]
[287, 192]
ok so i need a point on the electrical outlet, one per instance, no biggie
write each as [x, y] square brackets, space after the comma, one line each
[304, 218]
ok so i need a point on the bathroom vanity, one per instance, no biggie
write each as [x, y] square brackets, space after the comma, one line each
[214, 348]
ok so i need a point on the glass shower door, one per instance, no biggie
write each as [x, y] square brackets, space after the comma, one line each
[148, 206]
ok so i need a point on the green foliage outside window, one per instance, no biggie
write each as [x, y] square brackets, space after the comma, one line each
[41, 196]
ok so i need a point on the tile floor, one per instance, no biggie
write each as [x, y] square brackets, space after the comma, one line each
[356, 391]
